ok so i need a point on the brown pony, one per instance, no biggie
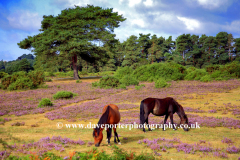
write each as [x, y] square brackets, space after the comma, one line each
[159, 107]
[110, 118]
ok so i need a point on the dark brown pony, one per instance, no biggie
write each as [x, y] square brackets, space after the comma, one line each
[110, 118]
[160, 107]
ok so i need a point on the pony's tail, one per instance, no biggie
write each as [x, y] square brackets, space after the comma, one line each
[142, 120]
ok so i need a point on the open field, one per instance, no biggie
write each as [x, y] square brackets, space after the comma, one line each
[215, 106]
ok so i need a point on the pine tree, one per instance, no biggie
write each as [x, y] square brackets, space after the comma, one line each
[73, 32]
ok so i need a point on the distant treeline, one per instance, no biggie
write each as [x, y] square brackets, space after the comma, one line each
[187, 50]
[22, 63]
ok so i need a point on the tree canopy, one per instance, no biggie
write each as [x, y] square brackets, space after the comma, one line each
[74, 33]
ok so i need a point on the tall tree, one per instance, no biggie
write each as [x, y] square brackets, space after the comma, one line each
[73, 32]
[222, 41]
[209, 49]
[132, 55]
[184, 44]
[2, 66]
[144, 44]
[229, 45]
[24, 65]
[236, 46]
[156, 50]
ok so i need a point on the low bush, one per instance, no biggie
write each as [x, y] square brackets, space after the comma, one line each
[63, 94]
[196, 74]
[95, 84]
[206, 78]
[49, 74]
[48, 80]
[45, 102]
[109, 82]
[78, 81]
[155, 71]
[118, 154]
[23, 80]
[37, 78]
[161, 83]
[139, 87]
[129, 80]
[2, 74]
[232, 68]
[20, 84]
[123, 71]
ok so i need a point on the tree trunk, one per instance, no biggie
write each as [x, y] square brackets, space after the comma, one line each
[75, 69]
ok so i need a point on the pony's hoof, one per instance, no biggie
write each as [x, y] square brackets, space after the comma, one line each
[119, 143]
[109, 145]
[174, 129]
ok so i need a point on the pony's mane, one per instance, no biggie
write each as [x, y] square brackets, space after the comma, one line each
[181, 110]
[102, 120]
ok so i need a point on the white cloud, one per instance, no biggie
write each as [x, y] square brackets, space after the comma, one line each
[148, 3]
[132, 3]
[214, 4]
[120, 12]
[25, 20]
[191, 24]
[233, 27]
[138, 22]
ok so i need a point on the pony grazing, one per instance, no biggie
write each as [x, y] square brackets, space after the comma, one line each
[160, 107]
[110, 118]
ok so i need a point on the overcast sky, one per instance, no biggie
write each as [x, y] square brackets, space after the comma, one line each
[22, 18]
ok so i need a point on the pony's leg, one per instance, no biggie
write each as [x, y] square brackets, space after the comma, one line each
[148, 124]
[145, 120]
[116, 136]
[165, 120]
[109, 131]
[171, 118]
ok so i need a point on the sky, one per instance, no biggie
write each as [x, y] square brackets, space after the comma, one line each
[22, 18]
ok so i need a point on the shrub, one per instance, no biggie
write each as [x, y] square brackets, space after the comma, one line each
[69, 73]
[63, 94]
[6, 81]
[49, 74]
[232, 68]
[45, 102]
[123, 86]
[155, 71]
[161, 83]
[2, 74]
[139, 87]
[37, 78]
[123, 71]
[196, 74]
[216, 74]
[48, 80]
[206, 78]
[78, 81]
[212, 68]
[21, 83]
[129, 80]
[109, 82]
[95, 84]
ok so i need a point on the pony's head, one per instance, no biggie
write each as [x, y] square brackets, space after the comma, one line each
[98, 136]
[184, 122]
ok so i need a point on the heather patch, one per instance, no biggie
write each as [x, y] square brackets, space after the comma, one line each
[163, 144]
[26, 102]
